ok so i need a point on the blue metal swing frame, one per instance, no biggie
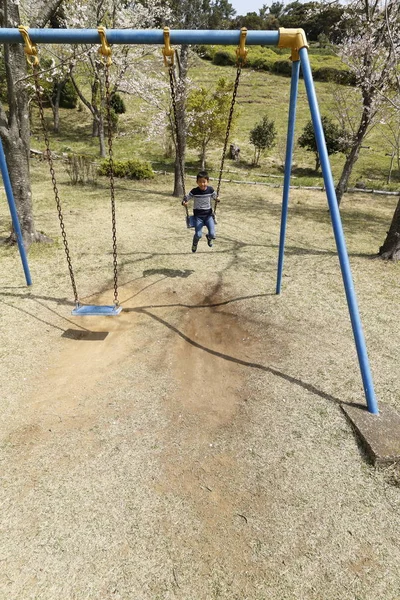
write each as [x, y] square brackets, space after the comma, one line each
[294, 39]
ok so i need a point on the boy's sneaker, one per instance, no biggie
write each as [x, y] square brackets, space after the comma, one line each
[209, 241]
[194, 245]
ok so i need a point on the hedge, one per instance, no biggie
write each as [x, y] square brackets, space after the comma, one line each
[131, 169]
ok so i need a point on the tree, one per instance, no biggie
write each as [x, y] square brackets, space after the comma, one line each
[335, 139]
[113, 14]
[262, 136]
[14, 122]
[222, 12]
[187, 14]
[390, 248]
[207, 115]
[370, 55]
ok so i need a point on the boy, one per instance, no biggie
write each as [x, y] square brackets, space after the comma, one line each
[202, 209]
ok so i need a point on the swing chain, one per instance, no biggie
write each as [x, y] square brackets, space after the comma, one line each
[105, 50]
[241, 55]
[35, 68]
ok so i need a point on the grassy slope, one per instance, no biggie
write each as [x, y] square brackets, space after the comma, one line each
[259, 93]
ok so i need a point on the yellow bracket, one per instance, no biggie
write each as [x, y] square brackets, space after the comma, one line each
[31, 50]
[167, 51]
[294, 39]
[105, 48]
[241, 50]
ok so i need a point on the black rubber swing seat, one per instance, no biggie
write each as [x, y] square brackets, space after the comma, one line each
[96, 310]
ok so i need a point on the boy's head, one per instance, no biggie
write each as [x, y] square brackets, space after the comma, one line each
[202, 180]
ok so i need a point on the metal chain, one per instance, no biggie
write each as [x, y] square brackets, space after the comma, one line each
[53, 179]
[111, 175]
[228, 128]
[172, 82]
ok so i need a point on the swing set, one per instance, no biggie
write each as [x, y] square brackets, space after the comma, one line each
[293, 39]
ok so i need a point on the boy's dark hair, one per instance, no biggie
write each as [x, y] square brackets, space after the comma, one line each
[202, 175]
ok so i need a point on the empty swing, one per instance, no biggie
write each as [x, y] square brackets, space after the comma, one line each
[31, 51]
[168, 53]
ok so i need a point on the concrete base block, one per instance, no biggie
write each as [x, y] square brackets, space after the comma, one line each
[379, 434]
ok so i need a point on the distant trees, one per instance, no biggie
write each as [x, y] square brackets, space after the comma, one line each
[213, 14]
[262, 137]
[315, 18]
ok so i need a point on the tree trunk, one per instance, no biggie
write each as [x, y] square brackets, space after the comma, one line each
[15, 126]
[317, 162]
[95, 127]
[181, 119]
[389, 177]
[391, 245]
[352, 158]
[56, 108]
[101, 136]
[14, 129]
[203, 158]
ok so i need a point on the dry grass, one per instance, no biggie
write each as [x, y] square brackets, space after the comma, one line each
[198, 450]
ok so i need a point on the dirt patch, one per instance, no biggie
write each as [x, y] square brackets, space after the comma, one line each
[194, 446]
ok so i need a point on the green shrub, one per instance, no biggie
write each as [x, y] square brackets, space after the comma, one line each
[261, 64]
[118, 104]
[282, 67]
[332, 74]
[205, 52]
[224, 58]
[131, 169]
[68, 97]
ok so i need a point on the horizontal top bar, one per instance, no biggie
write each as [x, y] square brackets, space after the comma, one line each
[140, 36]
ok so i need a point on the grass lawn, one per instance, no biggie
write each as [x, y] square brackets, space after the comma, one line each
[259, 93]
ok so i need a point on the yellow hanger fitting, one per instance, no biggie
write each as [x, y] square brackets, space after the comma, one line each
[241, 50]
[167, 51]
[31, 50]
[105, 48]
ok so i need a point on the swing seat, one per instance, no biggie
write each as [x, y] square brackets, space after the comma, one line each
[96, 310]
[190, 221]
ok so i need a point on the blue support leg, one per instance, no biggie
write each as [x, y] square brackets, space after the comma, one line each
[339, 237]
[14, 214]
[288, 168]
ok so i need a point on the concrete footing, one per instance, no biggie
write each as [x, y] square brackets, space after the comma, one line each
[379, 434]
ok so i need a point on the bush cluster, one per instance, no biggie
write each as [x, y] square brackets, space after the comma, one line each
[325, 66]
[117, 103]
[131, 169]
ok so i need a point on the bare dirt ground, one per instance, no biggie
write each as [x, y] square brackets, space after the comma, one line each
[194, 447]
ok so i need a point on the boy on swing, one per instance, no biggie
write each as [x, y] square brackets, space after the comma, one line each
[202, 195]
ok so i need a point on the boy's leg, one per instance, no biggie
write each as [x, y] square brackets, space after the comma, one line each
[210, 223]
[198, 228]
[194, 243]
